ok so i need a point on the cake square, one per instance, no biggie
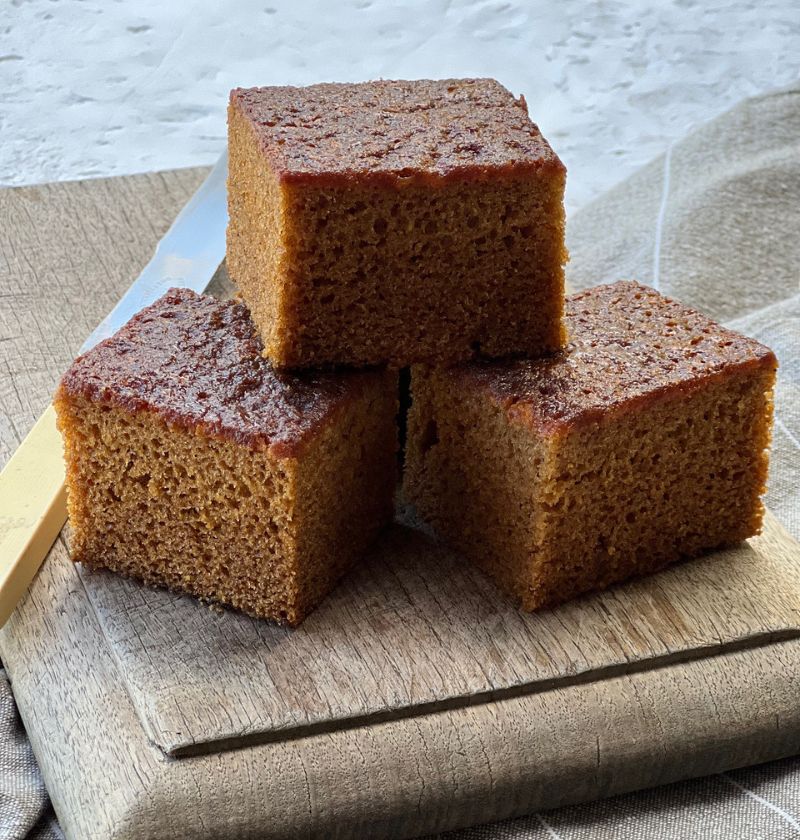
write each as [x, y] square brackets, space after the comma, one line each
[193, 465]
[395, 222]
[643, 442]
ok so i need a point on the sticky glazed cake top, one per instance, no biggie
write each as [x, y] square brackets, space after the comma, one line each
[197, 363]
[395, 131]
[627, 346]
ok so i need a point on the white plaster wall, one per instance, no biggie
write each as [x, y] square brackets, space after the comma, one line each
[105, 87]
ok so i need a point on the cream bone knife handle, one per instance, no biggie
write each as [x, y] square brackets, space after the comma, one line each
[33, 509]
[32, 494]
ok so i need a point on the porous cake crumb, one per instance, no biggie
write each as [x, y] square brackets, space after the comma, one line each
[395, 222]
[643, 442]
[192, 464]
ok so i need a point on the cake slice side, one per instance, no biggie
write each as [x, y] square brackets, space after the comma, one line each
[345, 485]
[628, 496]
[179, 509]
[437, 274]
[475, 477]
[255, 254]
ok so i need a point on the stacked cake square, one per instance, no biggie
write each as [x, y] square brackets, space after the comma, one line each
[245, 452]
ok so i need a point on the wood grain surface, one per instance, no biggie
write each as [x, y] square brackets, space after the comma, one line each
[415, 628]
[76, 648]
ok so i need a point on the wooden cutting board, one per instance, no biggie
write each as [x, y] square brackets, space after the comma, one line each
[415, 629]
[416, 698]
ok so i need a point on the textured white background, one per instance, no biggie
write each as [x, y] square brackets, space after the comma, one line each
[107, 87]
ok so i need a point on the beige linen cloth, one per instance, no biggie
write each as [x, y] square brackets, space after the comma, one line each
[716, 223]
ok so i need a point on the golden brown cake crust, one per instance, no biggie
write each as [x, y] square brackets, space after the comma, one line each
[197, 363]
[397, 132]
[627, 346]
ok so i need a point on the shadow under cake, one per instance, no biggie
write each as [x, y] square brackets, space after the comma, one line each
[643, 442]
[395, 222]
[192, 464]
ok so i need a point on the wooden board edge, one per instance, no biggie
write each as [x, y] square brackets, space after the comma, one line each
[178, 742]
[178, 748]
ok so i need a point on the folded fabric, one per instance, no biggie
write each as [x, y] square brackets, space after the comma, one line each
[24, 807]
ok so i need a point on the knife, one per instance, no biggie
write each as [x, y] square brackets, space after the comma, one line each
[33, 500]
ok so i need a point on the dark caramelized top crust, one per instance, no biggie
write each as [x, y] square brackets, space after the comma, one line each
[394, 130]
[196, 362]
[628, 346]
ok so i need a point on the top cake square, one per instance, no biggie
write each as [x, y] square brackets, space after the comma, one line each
[395, 222]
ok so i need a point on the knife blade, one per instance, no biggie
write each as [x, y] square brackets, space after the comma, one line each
[33, 506]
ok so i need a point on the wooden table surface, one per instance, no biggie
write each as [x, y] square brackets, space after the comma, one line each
[416, 698]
